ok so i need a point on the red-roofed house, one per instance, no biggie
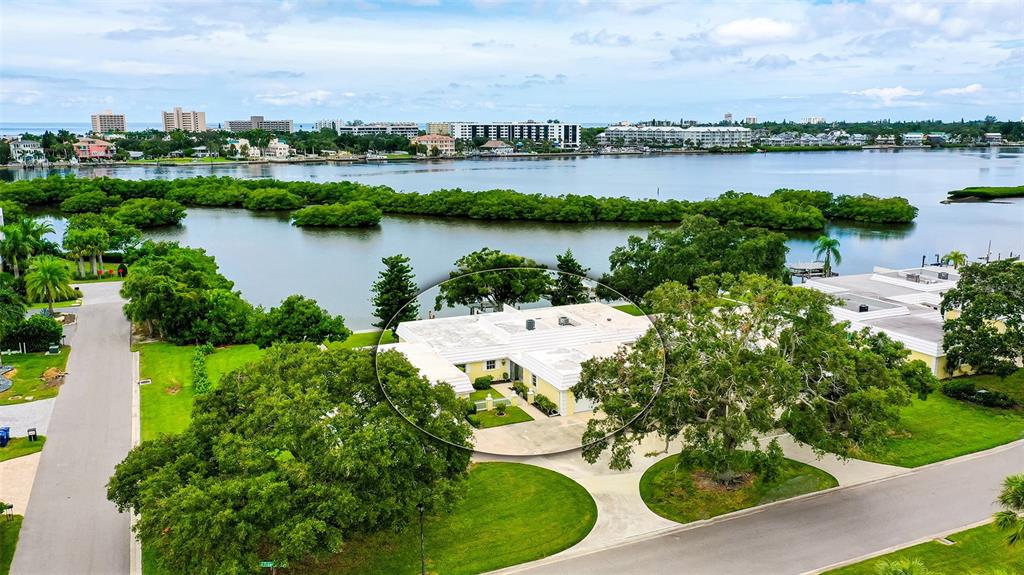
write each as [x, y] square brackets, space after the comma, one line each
[94, 149]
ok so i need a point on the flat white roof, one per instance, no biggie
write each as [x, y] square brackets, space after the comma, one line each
[431, 365]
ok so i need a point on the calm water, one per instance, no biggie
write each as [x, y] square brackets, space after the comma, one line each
[269, 259]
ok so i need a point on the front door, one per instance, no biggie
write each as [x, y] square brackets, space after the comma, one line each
[516, 372]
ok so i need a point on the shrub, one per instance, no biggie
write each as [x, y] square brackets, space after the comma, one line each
[38, 333]
[500, 408]
[93, 201]
[200, 377]
[150, 213]
[483, 382]
[544, 404]
[521, 389]
[350, 215]
[473, 420]
[965, 390]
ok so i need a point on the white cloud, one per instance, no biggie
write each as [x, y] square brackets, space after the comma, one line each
[602, 38]
[969, 89]
[916, 13]
[19, 97]
[750, 31]
[887, 96]
[773, 62]
[295, 98]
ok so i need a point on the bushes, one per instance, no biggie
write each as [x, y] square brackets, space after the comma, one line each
[150, 213]
[483, 382]
[965, 390]
[271, 199]
[544, 404]
[37, 333]
[351, 215]
[521, 389]
[868, 208]
[299, 319]
[93, 201]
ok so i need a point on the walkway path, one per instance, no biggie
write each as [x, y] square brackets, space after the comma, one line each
[812, 532]
[16, 477]
[70, 527]
[22, 416]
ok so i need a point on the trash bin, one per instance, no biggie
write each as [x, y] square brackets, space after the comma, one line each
[5, 436]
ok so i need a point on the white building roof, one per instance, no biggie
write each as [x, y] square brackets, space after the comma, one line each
[431, 365]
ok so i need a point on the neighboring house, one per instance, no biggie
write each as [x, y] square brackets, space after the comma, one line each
[136, 155]
[201, 152]
[94, 149]
[278, 149]
[993, 137]
[903, 304]
[240, 144]
[27, 152]
[497, 147]
[885, 140]
[445, 145]
[543, 348]
[936, 138]
[913, 139]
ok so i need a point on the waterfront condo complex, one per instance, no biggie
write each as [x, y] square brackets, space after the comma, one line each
[184, 120]
[107, 121]
[259, 123]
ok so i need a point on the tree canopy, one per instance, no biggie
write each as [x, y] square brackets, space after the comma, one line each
[299, 319]
[984, 328]
[744, 356]
[394, 293]
[290, 457]
[489, 277]
[699, 246]
[567, 286]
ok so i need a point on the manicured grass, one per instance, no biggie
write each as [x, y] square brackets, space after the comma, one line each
[73, 268]
[56, 304]
[491, 418]
[511, 513]
[21, 446]
[988, 192]
[481, 394]
[941, 428]
[630, 309]
[365, 339]
[27, 378]
[979, 550]
[9, 531]
[167, 402]
[676, 494]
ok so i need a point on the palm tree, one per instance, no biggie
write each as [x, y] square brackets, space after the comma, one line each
[47, 276]
[957, 258]
[1011, 518]
[829, 248]
[15, 247]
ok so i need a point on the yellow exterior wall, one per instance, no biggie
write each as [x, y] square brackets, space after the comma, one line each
[542, 388]
[479, 369]
[937, 365]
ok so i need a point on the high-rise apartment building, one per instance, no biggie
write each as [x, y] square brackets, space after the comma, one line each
[185, 121]
[107, 121]
[259, 123]
[728, 117]
[750, 120]
[567, 135]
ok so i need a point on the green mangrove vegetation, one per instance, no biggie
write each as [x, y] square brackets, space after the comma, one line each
[986, 193]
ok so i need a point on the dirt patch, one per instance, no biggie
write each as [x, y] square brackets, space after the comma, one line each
[52, 377]
[172, 389]
[11, 374]
[706, 482]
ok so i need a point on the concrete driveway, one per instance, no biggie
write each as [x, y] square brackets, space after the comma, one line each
[70, 527]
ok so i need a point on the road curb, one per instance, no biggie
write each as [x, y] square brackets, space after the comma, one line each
[135, 547]
[570, 554]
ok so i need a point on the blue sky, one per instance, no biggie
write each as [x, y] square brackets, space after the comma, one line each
[581, 61]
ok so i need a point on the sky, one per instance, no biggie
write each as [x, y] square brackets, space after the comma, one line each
[491, 60]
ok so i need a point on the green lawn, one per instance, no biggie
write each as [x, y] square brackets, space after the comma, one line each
[979, 550]
[20, 446]
[27, 378]
[941, 428]
[630, 309]
[8, 540]
[56, 304]
[511, 513]
[167, 402]
[366, 339]
[73, 268]
[678, 495]
[491, 418]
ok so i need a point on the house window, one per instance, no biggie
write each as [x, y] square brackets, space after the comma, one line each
[533, 380]
[490, 364]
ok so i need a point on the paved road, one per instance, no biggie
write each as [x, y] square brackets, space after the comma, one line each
[70, 527]
[815, 532]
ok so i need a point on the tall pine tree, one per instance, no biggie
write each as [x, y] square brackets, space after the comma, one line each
[568, 286]
[394, 289]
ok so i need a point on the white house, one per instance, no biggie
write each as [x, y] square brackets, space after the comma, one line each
[543, 348]
[278, 149]
[27, 152]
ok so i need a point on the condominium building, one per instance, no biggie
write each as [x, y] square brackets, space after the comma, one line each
[629, 135]
[108, 121]
[750, 120]
[439, 128]
[259, 123]
[329, 124]
[728, 118]
[717, 137]
[565, 135]
[814, 120]
[186, 121]
[407, 129]
[445, 145]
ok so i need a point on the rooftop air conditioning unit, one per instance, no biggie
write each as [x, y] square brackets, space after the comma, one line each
[943, 275]
[862, 308]
[530, 324]
[562, 320]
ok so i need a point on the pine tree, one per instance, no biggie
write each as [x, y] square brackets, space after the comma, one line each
[569, 288]
[394, 289]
